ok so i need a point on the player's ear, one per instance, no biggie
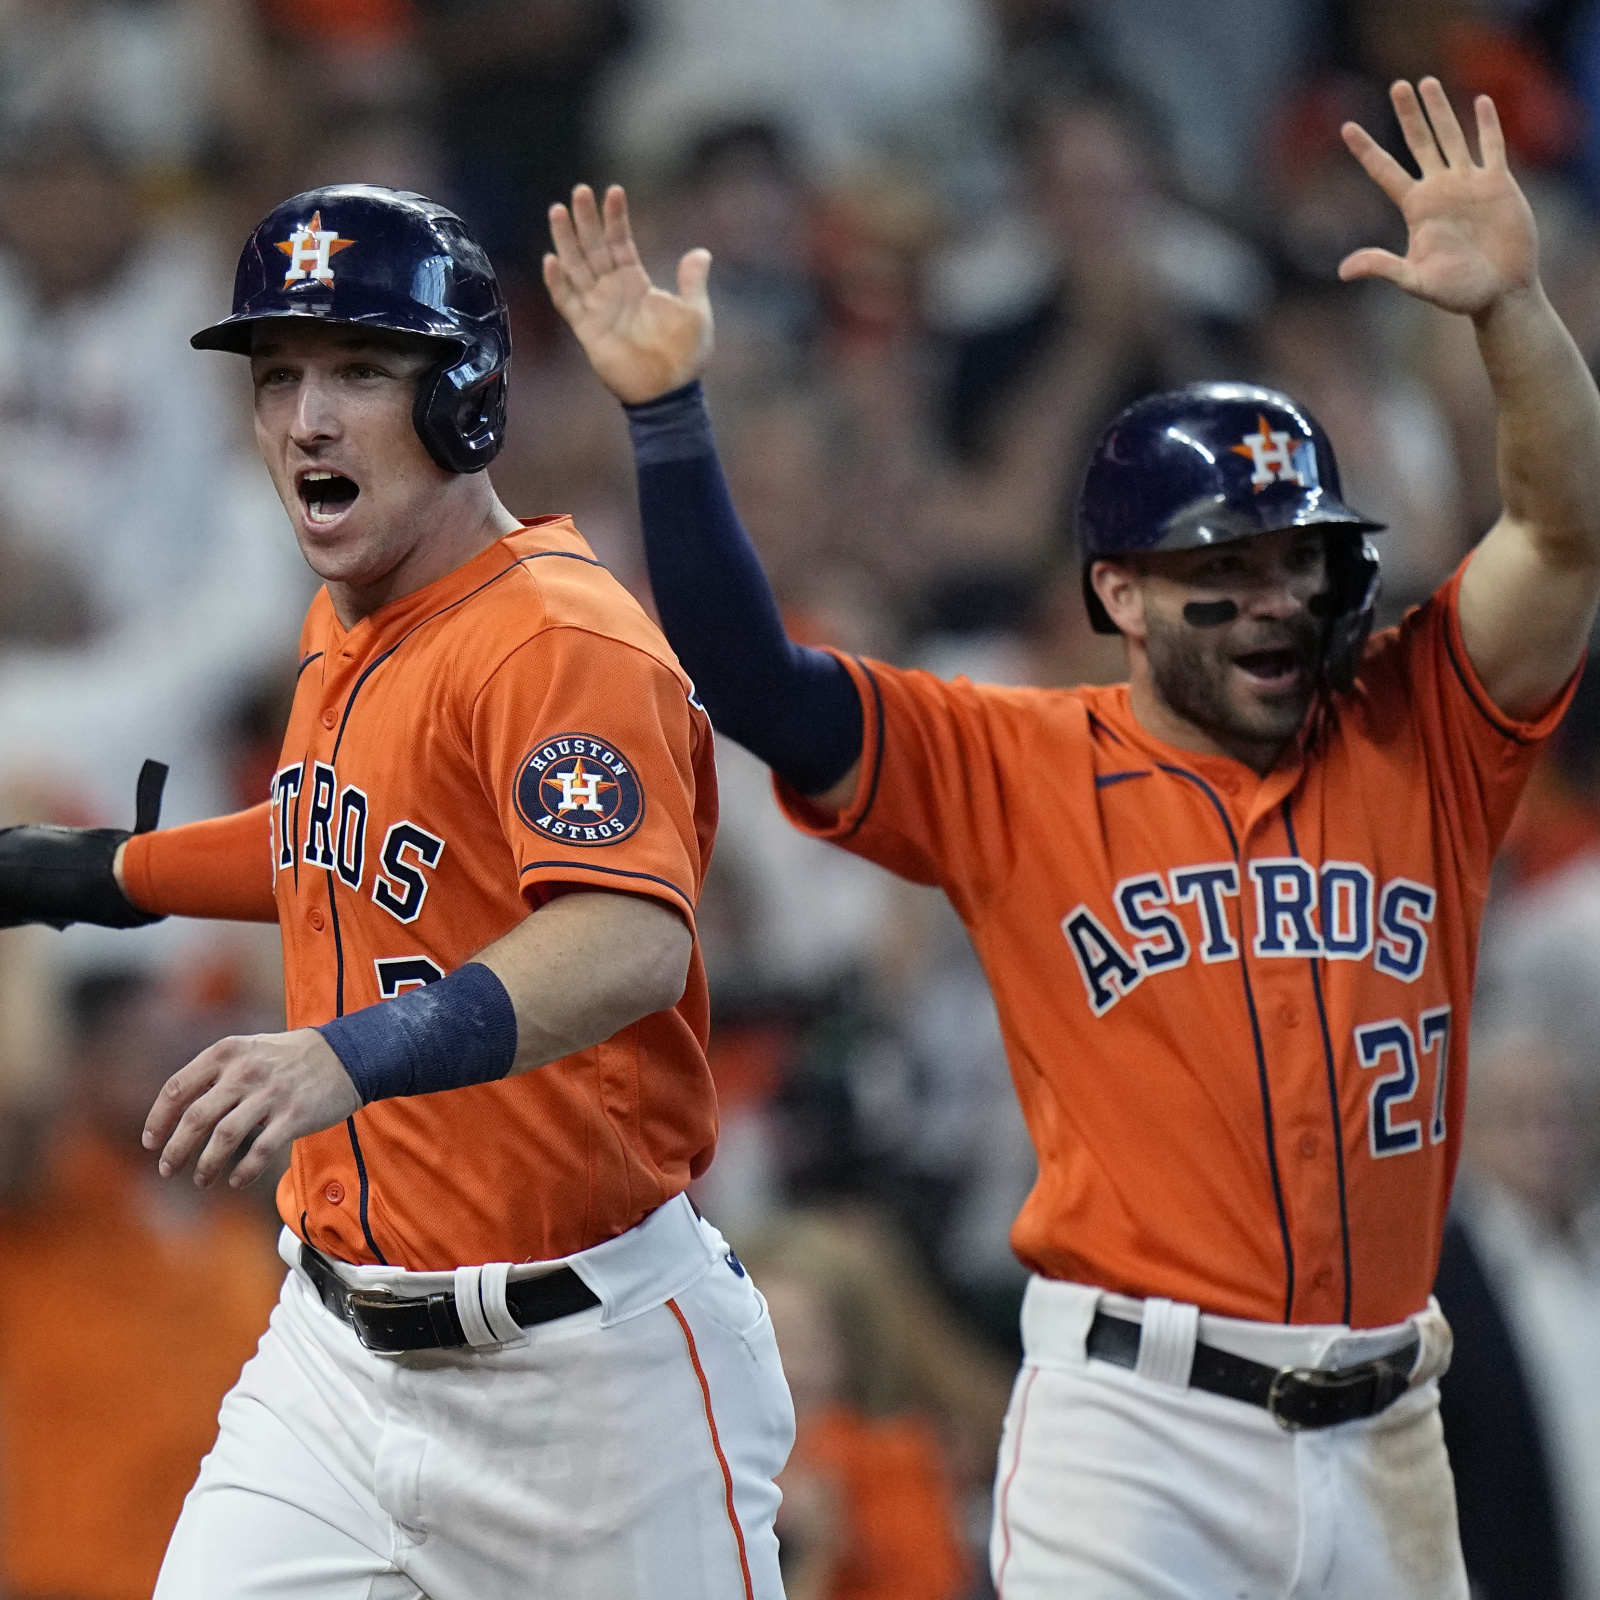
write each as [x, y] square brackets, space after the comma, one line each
[1117, 585]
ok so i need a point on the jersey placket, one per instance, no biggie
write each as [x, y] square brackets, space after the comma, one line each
[1282, 963]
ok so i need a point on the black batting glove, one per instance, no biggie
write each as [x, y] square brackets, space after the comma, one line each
[59, 876]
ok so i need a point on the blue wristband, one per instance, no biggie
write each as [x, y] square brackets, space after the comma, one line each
[673, 427]
[445, 1035]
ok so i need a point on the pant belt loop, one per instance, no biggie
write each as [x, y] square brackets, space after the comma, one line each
[1166, 1342]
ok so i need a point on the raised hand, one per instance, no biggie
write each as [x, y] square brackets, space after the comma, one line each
[1472, 236]
[641, 341]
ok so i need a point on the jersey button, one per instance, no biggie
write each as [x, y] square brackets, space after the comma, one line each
[315, 918]
[1323, 1278]
[1308, 1145]
[329, 717]
[1289, 1016]
[334, 1194]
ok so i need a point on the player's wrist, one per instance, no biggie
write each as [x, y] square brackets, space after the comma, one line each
[675, 426]
[451, 1034]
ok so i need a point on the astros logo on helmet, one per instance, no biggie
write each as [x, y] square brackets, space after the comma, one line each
[310, 249]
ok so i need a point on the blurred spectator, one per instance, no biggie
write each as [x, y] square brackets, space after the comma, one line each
[1179, 54]
[1541, 960]
[139, 75]
[132, 1303]
[851, 82]
[121, 469]
[512, 83]
[883, 1387]
[1105, 286]
[1524, 1439]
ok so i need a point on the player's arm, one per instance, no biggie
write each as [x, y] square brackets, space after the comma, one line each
[577, 971]
[1529, 593]
[794, 707]
[118, 878]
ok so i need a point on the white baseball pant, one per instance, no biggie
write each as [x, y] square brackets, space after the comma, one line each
[625, 1452]
[1118, 1484]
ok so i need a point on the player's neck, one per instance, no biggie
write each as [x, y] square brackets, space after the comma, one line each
[1160, 721]
[451, 543]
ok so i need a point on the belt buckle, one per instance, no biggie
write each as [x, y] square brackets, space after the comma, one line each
[360, 1301]
[1314, 1378]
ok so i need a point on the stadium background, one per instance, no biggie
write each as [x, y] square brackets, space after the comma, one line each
[951, 238]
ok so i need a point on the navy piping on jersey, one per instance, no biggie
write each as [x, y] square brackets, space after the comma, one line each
[1107, 780]
[877, 757]
[305, 661]
[1255, 1033]
[361, 1173]
[338, 943]
[338, 950]
[294, 853]
[1496, 718]
[521, 561]
[615, 872]
[1333, 1091]
[1097, 726]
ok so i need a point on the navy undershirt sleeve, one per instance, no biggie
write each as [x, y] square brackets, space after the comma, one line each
[794, 707]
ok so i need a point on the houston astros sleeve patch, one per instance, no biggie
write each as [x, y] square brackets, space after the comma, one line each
[580, 790]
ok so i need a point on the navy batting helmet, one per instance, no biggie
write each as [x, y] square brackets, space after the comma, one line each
[385, 258]
[1216, 462]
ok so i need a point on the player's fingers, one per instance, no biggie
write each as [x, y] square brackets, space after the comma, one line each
[1376, 162]
[227, 1136]
[174, 1096]
[271, 1136]
[1414, 125]
[1446, 125]
[564, 236]
[1374, 263]
[563, 295]
[1491, 141]
[195, 1127]
[618, 228]
[591, 231]
[693, 271]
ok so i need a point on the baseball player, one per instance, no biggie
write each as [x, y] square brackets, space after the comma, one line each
[1228, 909]
[509, 1357]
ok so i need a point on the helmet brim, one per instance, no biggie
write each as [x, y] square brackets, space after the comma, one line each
[237, 333]
[1214, 520]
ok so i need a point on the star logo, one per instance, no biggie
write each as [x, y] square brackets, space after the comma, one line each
[579, 790]
[311, 250]
[1277, 457]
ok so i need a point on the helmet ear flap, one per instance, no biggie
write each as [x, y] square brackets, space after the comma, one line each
[1355, 581]
[460, 414]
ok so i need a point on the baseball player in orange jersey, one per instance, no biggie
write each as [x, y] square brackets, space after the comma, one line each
[1228, 909]
[509, 1358]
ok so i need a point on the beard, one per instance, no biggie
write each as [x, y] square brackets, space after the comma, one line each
[1194, 674]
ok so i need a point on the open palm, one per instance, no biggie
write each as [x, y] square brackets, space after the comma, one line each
[641, 341]
[1471, 233]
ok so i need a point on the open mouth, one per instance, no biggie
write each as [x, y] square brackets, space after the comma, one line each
[1272, 669]
[326, 495]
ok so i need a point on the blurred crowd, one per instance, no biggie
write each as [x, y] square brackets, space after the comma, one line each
[951, 239]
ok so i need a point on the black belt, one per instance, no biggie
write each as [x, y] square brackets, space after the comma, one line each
[389, 1324]
[1297, 1397]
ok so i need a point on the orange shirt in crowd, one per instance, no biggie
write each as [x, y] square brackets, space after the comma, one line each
[899, 1539]
[118, 1339]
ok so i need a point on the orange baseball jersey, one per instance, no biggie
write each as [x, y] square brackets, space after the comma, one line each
[518, 727]
[1235, 1008]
